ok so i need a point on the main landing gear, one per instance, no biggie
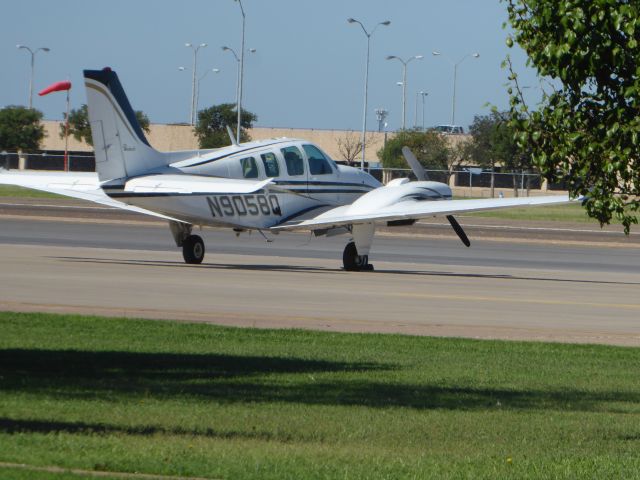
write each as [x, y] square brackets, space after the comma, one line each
[355, 257]
[193, 249]
[352, 261]
[192, 245]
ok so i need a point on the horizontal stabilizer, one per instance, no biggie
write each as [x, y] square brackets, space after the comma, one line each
[84, 186]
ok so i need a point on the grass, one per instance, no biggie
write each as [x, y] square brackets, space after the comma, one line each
[13, 191]
[572, 213]
[199, 400]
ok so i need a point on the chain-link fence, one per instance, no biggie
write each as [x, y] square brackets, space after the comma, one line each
[468, 177]
[475, 178]
[52, 160]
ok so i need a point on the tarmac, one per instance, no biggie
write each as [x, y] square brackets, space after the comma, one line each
[500, 288]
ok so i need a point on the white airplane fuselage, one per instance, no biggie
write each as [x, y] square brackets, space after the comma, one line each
[304, 181]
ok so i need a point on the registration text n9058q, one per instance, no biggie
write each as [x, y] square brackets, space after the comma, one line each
[243, 205]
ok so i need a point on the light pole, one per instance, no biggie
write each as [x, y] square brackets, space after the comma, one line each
[33, 61]
[193, 81]
[214, 70]
[404, 83]
[423, 94]
[240, 72]
[239, 60]
[455, 77]
[366, 80]
[381, 115]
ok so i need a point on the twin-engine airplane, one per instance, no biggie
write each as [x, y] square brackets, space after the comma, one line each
[270, 185]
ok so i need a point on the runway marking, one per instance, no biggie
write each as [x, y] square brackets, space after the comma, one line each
[623, 306]
[94, 473]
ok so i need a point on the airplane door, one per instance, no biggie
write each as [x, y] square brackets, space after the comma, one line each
[323, 176]
[296, 169]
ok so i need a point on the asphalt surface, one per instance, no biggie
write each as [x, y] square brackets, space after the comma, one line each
[511, 286]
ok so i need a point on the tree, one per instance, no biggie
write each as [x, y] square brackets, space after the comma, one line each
[20, 128]
[212, 122]
[80, 128]
[430, 148]
[587, 131]
[350, 146]
[493, 143]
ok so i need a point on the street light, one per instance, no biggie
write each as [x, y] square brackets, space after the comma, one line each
[455, 77]
[33, 56]
[415, 118]
[193, 82]
[404, 83]
[239, 60]
[366, 79]
[214, 70]
[240, 72]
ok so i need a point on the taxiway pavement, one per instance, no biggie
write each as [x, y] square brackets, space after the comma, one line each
[422, 285]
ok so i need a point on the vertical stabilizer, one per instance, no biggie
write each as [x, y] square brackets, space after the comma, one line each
[121, 149]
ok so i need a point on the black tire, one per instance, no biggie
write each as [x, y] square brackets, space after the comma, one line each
[352, 261]
[193, 249]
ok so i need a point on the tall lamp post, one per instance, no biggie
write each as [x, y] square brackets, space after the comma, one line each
[455, 78]
[415, 120]
[240, 72]
[195, 49]
[239, 60]
[33, 61]
[214, 70]
[404, 83]
[366, 79]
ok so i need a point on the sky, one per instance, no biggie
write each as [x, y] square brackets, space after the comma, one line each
[307, 71]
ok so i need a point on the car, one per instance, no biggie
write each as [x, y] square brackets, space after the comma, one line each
[449, 129]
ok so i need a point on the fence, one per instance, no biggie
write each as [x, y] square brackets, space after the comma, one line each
[469, 178]
[475, 178]
[53, 160]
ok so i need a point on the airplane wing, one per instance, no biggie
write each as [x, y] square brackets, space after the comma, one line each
[413, 210]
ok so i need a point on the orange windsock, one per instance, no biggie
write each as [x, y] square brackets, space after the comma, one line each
[56, 87]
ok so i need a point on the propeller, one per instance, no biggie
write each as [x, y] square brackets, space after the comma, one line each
[415, 165]
[421, 175]
[458, 229]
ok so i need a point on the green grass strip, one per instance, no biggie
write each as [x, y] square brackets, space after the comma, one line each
[180, 399]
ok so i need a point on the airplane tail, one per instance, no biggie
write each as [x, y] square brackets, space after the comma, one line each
[121, 149]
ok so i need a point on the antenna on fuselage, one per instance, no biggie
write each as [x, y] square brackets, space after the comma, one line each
[231, 136]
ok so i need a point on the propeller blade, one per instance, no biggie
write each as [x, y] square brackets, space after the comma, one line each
[458, 229]
[415, 165]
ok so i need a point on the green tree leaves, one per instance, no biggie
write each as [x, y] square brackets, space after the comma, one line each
[20, 128]
[430, 148]
[586, 131]
[80, 128]
[211, 127]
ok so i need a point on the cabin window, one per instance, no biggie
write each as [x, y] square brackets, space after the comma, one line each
[293, 159]
[249, 167]
[270, 162]
[318, 163]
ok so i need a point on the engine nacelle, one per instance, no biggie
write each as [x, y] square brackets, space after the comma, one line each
[398, 192]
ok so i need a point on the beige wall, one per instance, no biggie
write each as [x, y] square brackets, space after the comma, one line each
[180, 137]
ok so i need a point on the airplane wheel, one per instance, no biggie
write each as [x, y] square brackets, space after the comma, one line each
[352, 261]
[193, 249]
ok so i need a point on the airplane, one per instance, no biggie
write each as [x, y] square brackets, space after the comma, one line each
[275, 185]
